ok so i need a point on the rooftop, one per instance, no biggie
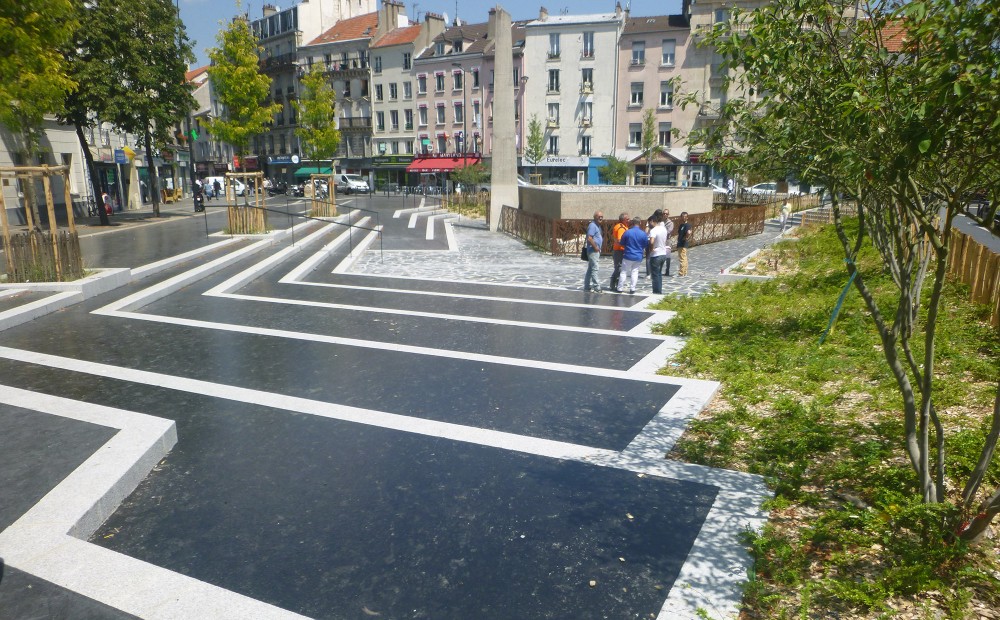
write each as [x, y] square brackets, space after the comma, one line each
[351, 29]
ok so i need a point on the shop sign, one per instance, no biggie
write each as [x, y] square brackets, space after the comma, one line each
[105, 155]
[167, 155]
[121, 157]
[251, 162]
[565, 162]
[392, 160]
[283, 159]
[184, 157]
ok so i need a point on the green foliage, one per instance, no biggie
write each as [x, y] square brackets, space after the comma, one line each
[34, 78]
[650, 139]
[534, 150]
[616, 171]
[317, 116]
[471, 176]
[817, 421]
[241, 89]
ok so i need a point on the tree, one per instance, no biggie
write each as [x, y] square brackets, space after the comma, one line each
[904, 127]
[316, 106]
[241, 89]
[534, 150]
[34, 78]
[472, 175]
[130, 60]
[650, 141]
[615, 172]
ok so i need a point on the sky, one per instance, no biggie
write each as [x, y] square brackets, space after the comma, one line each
[202, 18]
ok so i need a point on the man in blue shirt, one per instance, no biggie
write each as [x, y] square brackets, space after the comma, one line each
[635, 241]
[595, 239]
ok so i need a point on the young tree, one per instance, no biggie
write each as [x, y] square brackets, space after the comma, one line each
[616, 171]
[905, 127]
[34, 78]
[471, 176]
[650, 141]
[317, 116]
[534, 150]
[241, 89]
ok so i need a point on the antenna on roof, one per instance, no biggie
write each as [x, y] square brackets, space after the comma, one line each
[457, 23]
[416, 14]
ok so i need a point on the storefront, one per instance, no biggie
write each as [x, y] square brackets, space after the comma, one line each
[435, 169]
[562, 170]
[390, 170]
[281, 167]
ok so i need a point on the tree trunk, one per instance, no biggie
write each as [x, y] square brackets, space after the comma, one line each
[89, 162]
[154, 178]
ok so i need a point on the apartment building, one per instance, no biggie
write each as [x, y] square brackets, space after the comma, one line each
[394, 100]
[652, 63]
[566, 57]
[210, 157]
[488, 72]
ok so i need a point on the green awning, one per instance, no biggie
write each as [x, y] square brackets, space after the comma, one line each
[304, 172]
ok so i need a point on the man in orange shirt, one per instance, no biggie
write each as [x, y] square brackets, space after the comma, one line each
[618, 250]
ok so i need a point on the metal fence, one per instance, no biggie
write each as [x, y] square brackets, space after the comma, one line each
[38, 257]
[568, 236]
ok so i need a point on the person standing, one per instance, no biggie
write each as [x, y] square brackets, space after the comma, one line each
[635, 242]
[684, 233]
[595, 240]
[786, 210]
[217, 187]
[617, 249]
[659, 252]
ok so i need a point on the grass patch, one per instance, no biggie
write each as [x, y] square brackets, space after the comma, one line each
[847, 536]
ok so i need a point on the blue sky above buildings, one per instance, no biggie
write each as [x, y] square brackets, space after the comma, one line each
[204, 18]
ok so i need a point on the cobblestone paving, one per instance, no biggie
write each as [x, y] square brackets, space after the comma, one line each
[483, 256]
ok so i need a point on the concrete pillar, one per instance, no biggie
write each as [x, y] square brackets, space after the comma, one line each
[503, 176]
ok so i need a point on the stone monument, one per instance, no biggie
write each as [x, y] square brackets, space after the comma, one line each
[503, 175]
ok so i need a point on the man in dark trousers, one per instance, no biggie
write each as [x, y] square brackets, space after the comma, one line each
[617, 249]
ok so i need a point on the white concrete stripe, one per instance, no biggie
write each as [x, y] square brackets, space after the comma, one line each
[158, 266]
[356, 252]
[12, 291]
[45, 541]
[449, 234]
[310, 263]
[40, 307]
[413, 220]
[431, 220]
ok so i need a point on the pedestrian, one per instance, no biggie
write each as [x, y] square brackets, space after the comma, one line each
[650, 222]
[684, 236]
[617, 249]
[635, 242]
[595, 240]
[217, 186]
[669, 225]
[106, 203]
[786, 210]
[659, 253]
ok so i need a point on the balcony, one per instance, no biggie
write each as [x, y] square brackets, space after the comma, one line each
[585, 122]
[587, 55]
[638, 62]
[274, 64]
[586, 88]
[344, 71]
[552, 123]
[355, 124]
[553, 55]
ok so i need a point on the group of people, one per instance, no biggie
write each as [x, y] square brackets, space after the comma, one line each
[209, 190]
[631, 244]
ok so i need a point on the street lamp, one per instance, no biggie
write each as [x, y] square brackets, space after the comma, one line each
[465, 112]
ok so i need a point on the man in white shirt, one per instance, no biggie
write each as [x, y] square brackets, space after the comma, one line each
[659, 250]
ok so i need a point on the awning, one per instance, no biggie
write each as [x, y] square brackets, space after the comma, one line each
[304, 172]
[440, 164]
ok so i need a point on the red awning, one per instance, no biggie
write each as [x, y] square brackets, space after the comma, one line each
[440, 164]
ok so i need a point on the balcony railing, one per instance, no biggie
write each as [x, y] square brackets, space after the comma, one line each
[276, 63]
[587, 54]
[586, 88]
[553, 55]
[585, 122]
[638, 62]
[355, 123]
[552, 123]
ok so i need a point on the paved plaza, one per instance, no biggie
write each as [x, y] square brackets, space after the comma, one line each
[328, 422]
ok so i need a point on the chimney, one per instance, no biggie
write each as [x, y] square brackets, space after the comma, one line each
[269, 9]
[491, 25]
[543, 14]
[388, 17]
[618, 10]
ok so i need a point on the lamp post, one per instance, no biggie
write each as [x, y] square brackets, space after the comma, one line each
[465, 112]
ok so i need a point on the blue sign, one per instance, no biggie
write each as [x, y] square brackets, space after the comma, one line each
[120, 157]
[283, 159]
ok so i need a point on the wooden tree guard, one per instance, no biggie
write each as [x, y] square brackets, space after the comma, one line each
[65, 267]
[249, 218]
[323, 208]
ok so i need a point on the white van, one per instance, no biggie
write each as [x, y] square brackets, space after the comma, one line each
[350, 183]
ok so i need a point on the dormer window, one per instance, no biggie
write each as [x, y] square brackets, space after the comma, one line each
[439, 48]
[456, 46]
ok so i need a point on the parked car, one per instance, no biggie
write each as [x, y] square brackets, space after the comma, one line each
[716, 189]
[522, 181]
[761, 189]
[350, 183]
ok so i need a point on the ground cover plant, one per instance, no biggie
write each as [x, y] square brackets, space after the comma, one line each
[849, 535]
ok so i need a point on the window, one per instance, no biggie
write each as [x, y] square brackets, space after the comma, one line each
[393, 94]
[665, 134]
[517, 77]
[380, 121]
[588, 45]
[721, 16]
[666, 95]
[407, 90]
[475, 113]
[636, 98]
[439, 48]
[440, 114]
[329, 64]
[634, 134]
[407, 60]
[394, 120]
[422, 116]
[408, 147]
[587, 80]
[442, 144]
[553, 80]
[638, 52]
[553, 145]
[459, 112]
[554, 45]
[456, 80]
[439, 83]
[408, 119]
[475, 78]
[585, 145]
[378, 92]
[457, 46]
[588, 111]
[343, 60]
[378, 64]
[669, 47]
[422, 84]
[554, 113]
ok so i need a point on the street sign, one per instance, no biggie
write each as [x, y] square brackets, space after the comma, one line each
[120, 156]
